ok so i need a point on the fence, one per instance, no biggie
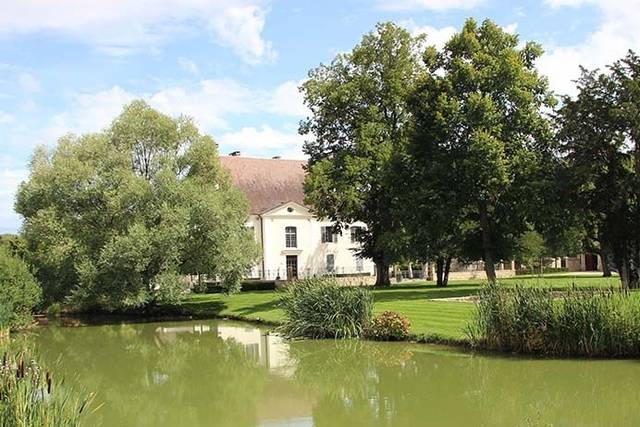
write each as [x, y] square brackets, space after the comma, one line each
[283, 273]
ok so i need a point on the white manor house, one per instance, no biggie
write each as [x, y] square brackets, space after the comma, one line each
[294, 242]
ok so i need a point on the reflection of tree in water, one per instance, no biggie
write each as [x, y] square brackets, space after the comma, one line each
[379, 384]
[147, 380]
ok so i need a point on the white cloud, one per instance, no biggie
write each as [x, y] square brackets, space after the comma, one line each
[287, 100]
[240, 28]
[188, 65]
[28, 82]
[264, 141]
[428, 4]
[435, 36]
[561, 3]
[5, 117]
[9, 181]
[121, 27]
[511, 28]
[209, 102]
[615, 34]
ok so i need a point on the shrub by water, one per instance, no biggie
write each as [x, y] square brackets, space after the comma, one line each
[594, 323]
[388, 326]
[322, 308]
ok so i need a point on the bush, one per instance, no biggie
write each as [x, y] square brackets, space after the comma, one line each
[321, 308]
[594, 323]
[19, 292]
[29, 397]
[388, 326]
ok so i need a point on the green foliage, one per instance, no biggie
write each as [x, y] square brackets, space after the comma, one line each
[113, 219]
[480, 144]
[594, 323]
[359, 124]
[600, 135]
[19, 292]
[31, 397]
[322, 308]
[14, 244]
[388, 326]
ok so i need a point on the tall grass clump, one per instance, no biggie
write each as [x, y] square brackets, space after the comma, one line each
[592, 323]
[322, 308]
[30, 397]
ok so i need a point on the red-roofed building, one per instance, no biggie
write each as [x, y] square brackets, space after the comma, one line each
[294, 242]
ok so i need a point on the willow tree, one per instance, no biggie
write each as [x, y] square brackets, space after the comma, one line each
[600, 134]
[481, 135]
[114, 219]
[358, 128]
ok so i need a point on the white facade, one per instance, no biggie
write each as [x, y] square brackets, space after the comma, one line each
[305, 254]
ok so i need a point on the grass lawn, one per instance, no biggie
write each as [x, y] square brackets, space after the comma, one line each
[418, 301]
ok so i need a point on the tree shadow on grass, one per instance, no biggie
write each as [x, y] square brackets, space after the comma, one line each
[202, 308]
[258, 308]
[424, 292]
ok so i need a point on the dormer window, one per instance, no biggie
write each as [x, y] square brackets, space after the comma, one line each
[291, 237]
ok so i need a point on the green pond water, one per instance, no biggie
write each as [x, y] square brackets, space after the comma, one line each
[219, 373]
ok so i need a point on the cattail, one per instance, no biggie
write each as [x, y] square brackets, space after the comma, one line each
[20, 373]
[48, 379]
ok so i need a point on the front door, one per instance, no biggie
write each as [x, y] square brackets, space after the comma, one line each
[292, 267]
[590, 262]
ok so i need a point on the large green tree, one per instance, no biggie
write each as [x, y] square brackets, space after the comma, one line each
[481, 138]
[600, 134]
[358, 127]
[113, 220]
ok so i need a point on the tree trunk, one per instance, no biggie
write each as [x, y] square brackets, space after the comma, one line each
[606, 268]
[439, 271]
[447, 269]
[606, 257]
[487, 245]
[382, 273]
[626, 258]
[443, 266]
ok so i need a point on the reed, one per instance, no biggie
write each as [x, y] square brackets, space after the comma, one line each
[577, 322]
[31, 397]
[322, 308]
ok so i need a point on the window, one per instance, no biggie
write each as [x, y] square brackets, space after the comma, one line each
[328, 236]
[331, 263]
[291, 237]
[355, 233]
[359, 265]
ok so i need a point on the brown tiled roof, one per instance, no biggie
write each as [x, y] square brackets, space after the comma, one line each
[267, 183]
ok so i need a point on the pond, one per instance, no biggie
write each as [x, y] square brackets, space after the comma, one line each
[220, 373]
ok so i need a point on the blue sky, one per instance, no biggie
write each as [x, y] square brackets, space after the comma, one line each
[234, 65]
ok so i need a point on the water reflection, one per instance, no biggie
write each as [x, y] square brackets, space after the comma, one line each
[233, 374]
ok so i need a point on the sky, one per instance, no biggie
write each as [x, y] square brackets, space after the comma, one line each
[68, 66]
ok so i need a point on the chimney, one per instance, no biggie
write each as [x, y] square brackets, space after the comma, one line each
[234, 153]
[276, 157]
